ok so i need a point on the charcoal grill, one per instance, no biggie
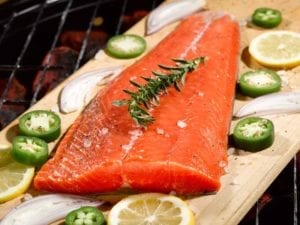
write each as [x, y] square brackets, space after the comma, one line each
[43, 42]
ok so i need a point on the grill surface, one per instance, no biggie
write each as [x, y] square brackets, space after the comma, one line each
[42, 42]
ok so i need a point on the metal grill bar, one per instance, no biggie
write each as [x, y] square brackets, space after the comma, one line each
[88, 5]
[16, 102]
[257, 213]
[59, 30]
[87, 34]
[125, 2]
[28, 67]
[6, 27]
[295, 191]
[25, 47]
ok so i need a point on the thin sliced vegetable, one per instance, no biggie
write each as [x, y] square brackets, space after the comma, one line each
[276, 103]
[126, 46]
[276, 49]
[31, 151]
[253, 134]
[15, 178]
[72, 100]
[40, 123]
[46, 209]
[259, 82]
[86, 215]
[151, 208]
[171, 11]
[266, 17]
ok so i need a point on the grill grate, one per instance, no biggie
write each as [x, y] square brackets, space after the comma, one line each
[25, 45]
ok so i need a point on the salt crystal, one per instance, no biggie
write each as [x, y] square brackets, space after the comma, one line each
[27, 196]
[234, 182]
[87, 143]
[160, 131]
[222, 164]
[181, 124]
[226, 169]
[127, 147]
[135, 134]
[200, 94]
[104, 131]
[230, 151]
[55, 109]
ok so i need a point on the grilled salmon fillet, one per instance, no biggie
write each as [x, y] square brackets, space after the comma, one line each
[184, 150]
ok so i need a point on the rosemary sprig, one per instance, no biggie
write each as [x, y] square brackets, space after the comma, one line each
[148, 94]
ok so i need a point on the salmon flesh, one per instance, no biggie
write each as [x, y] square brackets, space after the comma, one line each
[184, 150]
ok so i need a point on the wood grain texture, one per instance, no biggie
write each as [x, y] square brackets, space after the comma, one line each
[249, 174]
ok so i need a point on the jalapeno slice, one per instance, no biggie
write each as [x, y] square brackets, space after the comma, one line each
[266, 17]
[253, 134]
[31, 151]
[86, 215]
[126, 46]
[40, 123]
[259, 82]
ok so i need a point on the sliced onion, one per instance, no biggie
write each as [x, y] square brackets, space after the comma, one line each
[276, 103]
[46, 209]
[75, 94]
[171, 12]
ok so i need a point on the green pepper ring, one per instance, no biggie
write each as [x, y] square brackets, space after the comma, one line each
[98, 217]
[255, 91]
[32, 157]
[253, 144]
[50, 135]
[116, 52]
[261, 19]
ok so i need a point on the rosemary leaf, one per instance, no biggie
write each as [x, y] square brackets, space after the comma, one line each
[147, 95]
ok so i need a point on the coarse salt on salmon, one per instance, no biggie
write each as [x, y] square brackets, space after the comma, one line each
[184, 150]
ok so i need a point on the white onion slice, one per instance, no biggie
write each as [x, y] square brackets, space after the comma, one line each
[46, 209]
[276, 103]
[171, 12]
[76, 94]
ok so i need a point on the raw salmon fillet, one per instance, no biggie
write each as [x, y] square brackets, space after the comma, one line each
[184, 150]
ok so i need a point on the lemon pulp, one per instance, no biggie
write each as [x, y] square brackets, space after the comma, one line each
[15, 178]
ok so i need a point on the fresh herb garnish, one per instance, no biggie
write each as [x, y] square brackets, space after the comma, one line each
[147, 95]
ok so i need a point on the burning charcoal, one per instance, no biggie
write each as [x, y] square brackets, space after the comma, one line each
[74, 40]
[8, 112]
[130, 19]
[60, 56]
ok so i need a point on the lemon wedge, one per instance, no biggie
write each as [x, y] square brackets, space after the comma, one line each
[276, 49]
[15, 178]
[150, 209]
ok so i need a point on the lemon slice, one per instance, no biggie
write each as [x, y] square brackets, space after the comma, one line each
[15, 178]
[151, 209]
[276, 49]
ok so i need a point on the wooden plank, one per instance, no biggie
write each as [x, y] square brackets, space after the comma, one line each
[249, 174]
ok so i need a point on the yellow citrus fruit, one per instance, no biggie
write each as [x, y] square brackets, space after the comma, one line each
[15, 178]
[151, 209]
[276, 49]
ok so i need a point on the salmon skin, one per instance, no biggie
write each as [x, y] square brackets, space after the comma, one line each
[184, 150]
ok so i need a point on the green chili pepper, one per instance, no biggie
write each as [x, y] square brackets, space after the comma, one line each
[259, 82]
[29, 150]
[266, 17]
[126, 46]
[86, 215]
[253, 134]
[40, 123]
